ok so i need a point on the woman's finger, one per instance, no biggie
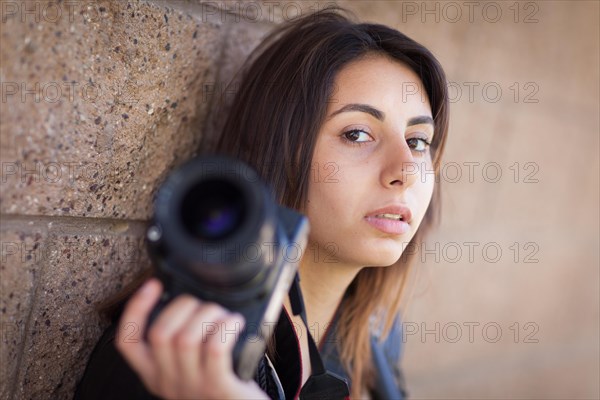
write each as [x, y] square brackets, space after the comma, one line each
[129, 339]
[162, 332]
[189, 340]
[217, 352]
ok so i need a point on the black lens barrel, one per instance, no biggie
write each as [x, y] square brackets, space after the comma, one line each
[210, 210]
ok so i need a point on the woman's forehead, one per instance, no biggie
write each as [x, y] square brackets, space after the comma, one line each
[381, 83]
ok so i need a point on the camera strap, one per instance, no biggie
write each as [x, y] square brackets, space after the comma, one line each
[321, 384]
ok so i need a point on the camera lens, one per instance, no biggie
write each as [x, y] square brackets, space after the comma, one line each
[213, 210]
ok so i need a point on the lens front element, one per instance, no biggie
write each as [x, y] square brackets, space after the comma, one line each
[213, 210]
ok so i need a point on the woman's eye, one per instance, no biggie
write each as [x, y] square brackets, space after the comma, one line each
[418, 144]
[357, 136]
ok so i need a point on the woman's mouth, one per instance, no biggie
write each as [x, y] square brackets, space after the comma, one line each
[392, 220]
[389, 223]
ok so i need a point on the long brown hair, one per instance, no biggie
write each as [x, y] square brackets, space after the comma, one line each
[273, 123]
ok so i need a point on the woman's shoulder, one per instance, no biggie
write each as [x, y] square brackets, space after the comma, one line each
[392, 343]
[391, 347]
[107, 374]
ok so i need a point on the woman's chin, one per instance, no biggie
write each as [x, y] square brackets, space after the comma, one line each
[385, 254]
[382, 258]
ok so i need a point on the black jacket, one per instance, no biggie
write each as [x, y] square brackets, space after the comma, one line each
[108, 376]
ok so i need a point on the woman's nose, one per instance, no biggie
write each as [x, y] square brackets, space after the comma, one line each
[400, 167]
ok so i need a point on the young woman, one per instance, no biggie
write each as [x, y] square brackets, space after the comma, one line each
[347, 123]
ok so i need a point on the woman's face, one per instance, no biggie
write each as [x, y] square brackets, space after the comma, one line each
[371, 164]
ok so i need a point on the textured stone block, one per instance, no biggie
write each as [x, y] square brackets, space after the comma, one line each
[78, 265]
[242, 38]
[254, 11]
[99, 100]
[20, 266]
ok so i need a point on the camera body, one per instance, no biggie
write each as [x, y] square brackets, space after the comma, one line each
[218, 234]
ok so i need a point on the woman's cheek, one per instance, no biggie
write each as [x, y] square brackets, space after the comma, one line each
[318, 211]
[329, 202]
[425, 193]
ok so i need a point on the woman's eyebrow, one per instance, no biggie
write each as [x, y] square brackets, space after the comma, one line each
[421, 119]
[380, 115]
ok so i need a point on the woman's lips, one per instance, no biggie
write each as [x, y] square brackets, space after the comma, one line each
[386, 225]
[393, 219]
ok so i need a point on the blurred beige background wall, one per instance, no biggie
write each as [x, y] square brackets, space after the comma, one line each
[510, 285]
[100, 99]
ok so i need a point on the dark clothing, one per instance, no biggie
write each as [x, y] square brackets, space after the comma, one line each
[108, 376]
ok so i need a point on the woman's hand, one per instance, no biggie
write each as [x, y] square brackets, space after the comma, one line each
[188, 353]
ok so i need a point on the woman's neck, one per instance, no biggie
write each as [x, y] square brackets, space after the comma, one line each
[323, 285]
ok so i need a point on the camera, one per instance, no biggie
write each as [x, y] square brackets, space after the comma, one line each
[218, 234]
